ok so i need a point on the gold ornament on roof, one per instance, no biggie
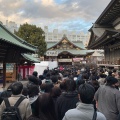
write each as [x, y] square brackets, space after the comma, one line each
[77, 48]
[71, 46]
[52, 49]
[64, 41]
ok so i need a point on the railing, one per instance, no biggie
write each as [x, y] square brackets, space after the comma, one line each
[114, 62]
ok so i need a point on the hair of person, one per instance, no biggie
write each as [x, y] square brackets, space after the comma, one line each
[102, 75]
[85, 76]
[82, 81]
[45, 71]
[86, 92]
[48, 87]
[33, 79]
[101, 71]
[94, 77]
[41, 77]
[39, 82]
[93, 72]
[95, 84]
[114, 70]
[65, 75]
[48, 75]
[119, 73]
[44, 108]
[54, 79]
[111, 80]
[25, 91]
[35, 73]
[56, 72]
[17, 88]
[71, 76]
[55, 92]
[53, 72]
[33, 90]
[62, 86]
[59, 77]
[70, 85]
[110, 73]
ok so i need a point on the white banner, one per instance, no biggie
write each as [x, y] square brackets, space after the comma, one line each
[51, 53]
[64, 60]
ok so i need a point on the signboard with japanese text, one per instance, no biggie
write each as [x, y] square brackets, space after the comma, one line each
[51, 53]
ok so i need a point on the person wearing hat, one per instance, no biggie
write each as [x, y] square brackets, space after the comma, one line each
[108, 99]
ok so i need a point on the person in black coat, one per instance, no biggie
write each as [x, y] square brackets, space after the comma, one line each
[67, 99]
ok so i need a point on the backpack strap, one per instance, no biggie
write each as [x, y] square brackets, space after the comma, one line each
[94, 115]
[19, 101]
[7, 103]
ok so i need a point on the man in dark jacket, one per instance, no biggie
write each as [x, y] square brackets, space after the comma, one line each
[67, 100]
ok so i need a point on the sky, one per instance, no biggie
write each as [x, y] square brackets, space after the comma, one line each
[71, 15]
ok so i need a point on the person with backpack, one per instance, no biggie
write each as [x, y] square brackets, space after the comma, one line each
[16, 107]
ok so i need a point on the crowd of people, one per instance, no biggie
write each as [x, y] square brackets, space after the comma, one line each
[71, 93]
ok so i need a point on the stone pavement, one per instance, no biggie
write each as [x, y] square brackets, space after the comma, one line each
[8, 83]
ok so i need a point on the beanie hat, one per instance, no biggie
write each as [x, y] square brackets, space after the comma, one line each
[111, 80]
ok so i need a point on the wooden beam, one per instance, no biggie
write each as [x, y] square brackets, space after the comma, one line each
[4, 75]
[16, 71]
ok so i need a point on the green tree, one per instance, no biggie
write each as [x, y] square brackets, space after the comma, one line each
[33, 35]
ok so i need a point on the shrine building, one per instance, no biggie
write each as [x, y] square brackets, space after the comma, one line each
[66, 52]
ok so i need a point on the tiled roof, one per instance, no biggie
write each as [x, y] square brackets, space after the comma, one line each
[79, 44]
[50, 44]
[97, 54]
[30, 58]
[9, 37]
[76, 43]
[76, 52]
[99, 31]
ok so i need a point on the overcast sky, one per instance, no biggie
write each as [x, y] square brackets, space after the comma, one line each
[56, 14]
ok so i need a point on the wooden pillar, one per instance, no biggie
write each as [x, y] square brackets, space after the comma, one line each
[4, 75]
[16, 71]
[118, 62]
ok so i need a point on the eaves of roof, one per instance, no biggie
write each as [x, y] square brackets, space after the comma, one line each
[109, 12]
[9, 37]
[29, 57]
[106, 35]
[76, 52]
[77, 44]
